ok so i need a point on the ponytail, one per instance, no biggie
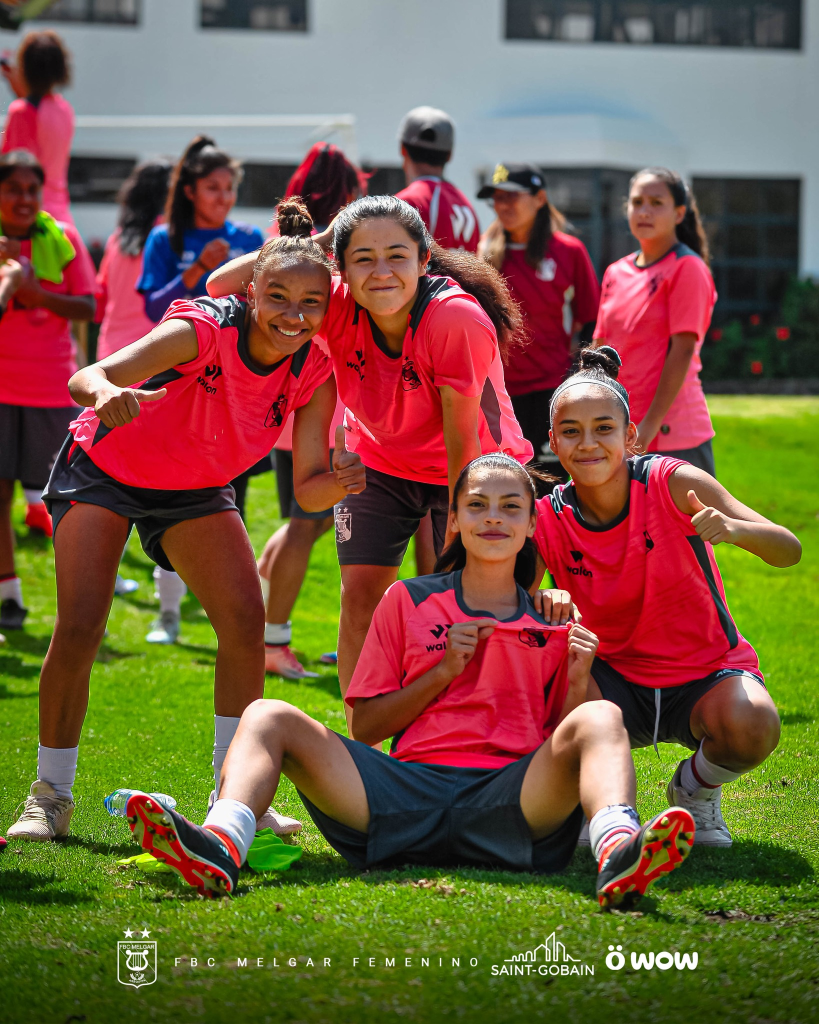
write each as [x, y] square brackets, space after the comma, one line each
[690, 230]
[201, 158]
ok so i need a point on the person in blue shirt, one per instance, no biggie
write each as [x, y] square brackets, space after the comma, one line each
[195, 239]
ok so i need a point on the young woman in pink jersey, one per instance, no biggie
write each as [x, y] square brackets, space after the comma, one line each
[417, 335]
[218, 380]
[494, 755]
[632, 538]
[655, 309]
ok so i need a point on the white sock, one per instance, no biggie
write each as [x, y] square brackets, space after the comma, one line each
[12, 588]
[33, 496]
[278, 633]
[236, 820]
[608, 822]
[698, 775]
[170, 589]
[58, 767]
[224, 729]
[265, 588]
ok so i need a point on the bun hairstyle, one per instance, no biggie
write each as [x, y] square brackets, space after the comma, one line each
[476, 277]
[690, 230]
[454, 556]
[200, 159]
[595, 366]
[294, 243]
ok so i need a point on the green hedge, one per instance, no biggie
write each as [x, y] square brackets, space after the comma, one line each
[755, 348]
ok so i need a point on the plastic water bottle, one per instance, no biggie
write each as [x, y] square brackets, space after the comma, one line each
[116, 802]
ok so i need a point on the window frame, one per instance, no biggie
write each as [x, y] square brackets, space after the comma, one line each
[202, 27]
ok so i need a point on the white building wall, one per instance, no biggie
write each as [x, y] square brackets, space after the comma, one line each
[706, 111]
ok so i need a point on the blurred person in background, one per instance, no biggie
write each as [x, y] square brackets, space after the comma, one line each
[40, 119]
[326, 181]
[195, 239]
[120, 308]
[655, 310]
[55, 285]
[552, 278]
[427, 138]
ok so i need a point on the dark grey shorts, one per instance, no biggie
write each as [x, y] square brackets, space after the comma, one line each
[75, 478]
[30, 438]
[443, 816]
[374, 527]
[641, 704]
[291, 509]
[702, 456]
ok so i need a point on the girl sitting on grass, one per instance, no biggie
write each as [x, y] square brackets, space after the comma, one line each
[492, 763]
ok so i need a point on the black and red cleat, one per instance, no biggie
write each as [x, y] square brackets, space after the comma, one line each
[629, 866]
[193, 852]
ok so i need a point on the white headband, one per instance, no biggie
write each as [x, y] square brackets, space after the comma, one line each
[614, 386]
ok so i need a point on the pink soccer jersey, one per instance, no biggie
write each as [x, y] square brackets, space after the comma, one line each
[120, 307]
[221, 414]
[640, 308]
[445, 210]
[394, 413]
[45, 128]
[505, 703]
[36, 345]
[646, 584]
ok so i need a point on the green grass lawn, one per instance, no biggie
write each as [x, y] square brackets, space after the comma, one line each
[750, 913]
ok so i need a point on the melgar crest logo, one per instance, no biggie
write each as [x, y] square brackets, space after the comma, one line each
[136, 959]
[533, 637]
[276, 412]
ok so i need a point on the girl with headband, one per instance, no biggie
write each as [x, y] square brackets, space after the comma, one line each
[632, 538]
[655, 309]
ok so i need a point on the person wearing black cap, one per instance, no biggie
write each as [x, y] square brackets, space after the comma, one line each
[427, 136]
[551, 276]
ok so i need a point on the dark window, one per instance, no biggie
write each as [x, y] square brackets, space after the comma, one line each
[264, 184]
[97, 179]
[775, 24]
[264, 15]
[385, 181]
[753, 230]
[103, 12]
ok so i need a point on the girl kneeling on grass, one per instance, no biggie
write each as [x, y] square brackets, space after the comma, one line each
[492, 761]
[632, 537]
[218, 380]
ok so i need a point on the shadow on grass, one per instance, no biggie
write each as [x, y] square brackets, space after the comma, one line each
[27, 643]
[125, 849]
[14, 666]
[6, 694]
[795, 718]
[756, 863]
[20, 886]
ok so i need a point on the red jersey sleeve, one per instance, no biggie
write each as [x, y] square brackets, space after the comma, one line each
[462, 345]
[79, 275]
[316, 371]
[691, 297]
[380, 667]
[543, 509]
[207, 332]
[586, 289]
[339, 310]
[600, 326]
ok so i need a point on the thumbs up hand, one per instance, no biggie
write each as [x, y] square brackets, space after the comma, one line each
[348, 468]
[118, 406]
[711, 524]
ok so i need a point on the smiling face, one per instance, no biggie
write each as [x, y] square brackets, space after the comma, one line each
[589, 433]
[213, 197]
[19, 201]
[652, 215]
[382, 266]
[495, 514]
[517, 210]
[287, 306]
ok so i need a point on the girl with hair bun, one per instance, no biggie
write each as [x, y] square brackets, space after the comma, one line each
[417, 335]
[168, 422]
[632, 538]
[178, 256]
[655, 309]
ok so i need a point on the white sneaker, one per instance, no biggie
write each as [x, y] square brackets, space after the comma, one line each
[165, 630]
[45, 816]
[279, 660]
[705, 810]
[123, 586]
[280, 823]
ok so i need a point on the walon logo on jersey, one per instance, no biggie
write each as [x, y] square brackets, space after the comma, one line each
[276, 412]
[359, 366]
[208, 382]
[214, 371]
[550, 957]
[578, 570]
[439, 632]
[409, 378]
[533, 637]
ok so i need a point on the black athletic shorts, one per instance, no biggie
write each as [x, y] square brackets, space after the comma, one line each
[661, 715]
[374, 527]
[443, 816]
[291, 509]
[702, 456]
[30, 438]
[76, 478]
